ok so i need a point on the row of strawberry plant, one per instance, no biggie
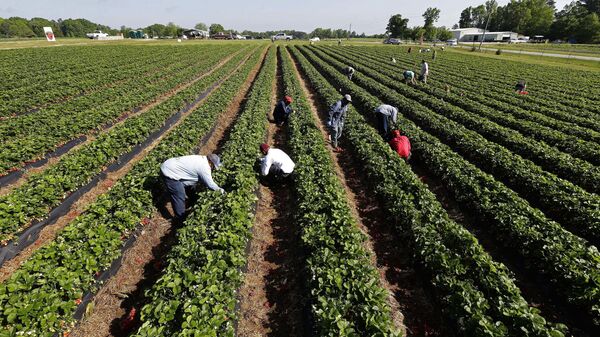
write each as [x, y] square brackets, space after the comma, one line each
[60, 84]
[567, 261]
[45, 190]
[477, 293]
[496, 98]
[562, 200]
[40, 297]
[30, 66]
[544, 81]
[481, 120]
[33, 135]
[347, 298]
[196, 295]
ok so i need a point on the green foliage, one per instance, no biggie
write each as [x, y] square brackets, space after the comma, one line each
[40, 297]
[215, 28]
[397, 26]
[201, 26]
[431, 16]
[196, 295]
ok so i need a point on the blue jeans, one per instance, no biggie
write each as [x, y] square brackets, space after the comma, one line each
[177, 193]
[383, 125]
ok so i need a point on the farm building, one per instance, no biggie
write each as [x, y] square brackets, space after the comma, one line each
[478, 34]
[195, 34]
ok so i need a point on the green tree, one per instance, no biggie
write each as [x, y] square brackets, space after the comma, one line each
[466, 18]
[444, 34]
[37, 26]
[591, 5]
[589, 29]
[171, 29]
[215, 28]
[479, 15]
[431, 16]
[201, 26]
[16, 27]
[155, 30]
[397, 26]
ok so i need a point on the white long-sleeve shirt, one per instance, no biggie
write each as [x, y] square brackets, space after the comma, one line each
[388, 110]
[189, 170]
[424, 68]
[278, 159]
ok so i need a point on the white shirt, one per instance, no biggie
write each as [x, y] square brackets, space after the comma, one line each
[278, 159]
[425, 69]
[388, 110]
[189, 170]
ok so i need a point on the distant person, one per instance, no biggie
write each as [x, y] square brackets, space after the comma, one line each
[335, 120]
[434, 55]
[275, 163]
[181, 174]
[349, 71]
[409, 77]
[339, 42]
[401, 144]
[520, 87]
[386, 116]
[409, 49]
[282, 111]
[424, 72]
[393, 60]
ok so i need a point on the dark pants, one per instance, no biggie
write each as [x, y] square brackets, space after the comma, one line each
[383, 125]
[178, 192]
[280, 117]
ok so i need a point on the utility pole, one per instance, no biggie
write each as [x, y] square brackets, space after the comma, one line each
[487, 22]
[350, 31]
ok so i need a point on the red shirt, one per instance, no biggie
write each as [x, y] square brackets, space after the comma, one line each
[401, 145]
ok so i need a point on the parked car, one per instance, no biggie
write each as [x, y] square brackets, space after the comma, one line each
[452, 42]
[315, 39]
[96, 34]
[222, 36]
[282, 36]
[392, 41]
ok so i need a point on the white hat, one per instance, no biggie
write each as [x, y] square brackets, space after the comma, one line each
[215, 160]
[348, 97]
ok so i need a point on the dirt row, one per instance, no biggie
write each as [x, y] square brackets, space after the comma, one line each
[49, 232]
[272, 302]
[91, 137]
[122, 295]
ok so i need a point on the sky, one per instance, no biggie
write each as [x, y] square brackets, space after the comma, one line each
[368, 16]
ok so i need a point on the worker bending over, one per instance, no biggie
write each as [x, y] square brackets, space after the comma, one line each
[282, 111]
[520, 87]
[386, 115]
[400, 144]
[181, 174]
[409, 77]
[275, 163]
[349, 71]
[335, 120]
[424, 71]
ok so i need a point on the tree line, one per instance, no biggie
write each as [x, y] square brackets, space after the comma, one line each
[577, 22]
[398, 27]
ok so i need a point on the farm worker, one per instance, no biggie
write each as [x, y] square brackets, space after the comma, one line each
[409, 49]
[339, 42]
[400, 144]
[385, 112]
[181, 174]
[424, 71]
[349, 71]
[393, 60]
[282, 112]
[520, 87]
[434, 55]
[409, 77]
[335, 120]
[275, 162]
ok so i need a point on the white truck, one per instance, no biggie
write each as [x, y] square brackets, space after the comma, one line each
[96, 34]
[281, 36]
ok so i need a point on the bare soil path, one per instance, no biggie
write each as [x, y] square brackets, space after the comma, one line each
[123, 294]
[272, 301]
[414, 310]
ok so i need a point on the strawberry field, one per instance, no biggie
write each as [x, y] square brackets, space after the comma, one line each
[490, 229]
